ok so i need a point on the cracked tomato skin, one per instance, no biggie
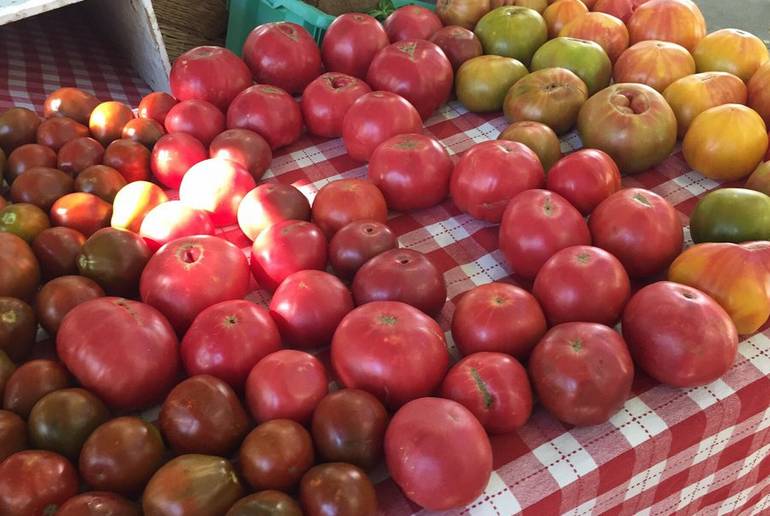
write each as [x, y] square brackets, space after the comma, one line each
[494, 387]
[33, 483]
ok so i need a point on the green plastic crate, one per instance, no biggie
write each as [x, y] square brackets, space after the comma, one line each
[247, 14]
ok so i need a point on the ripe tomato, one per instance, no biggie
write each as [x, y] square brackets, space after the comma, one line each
[156, 106]
[512, 31]
[143, 130]
[640, 228]
[490, 174]
[26, 157]
[585, 178]
[438, 453]
[535, 225]
[582, 372]
[338, 488]
[622, 9]
[283, 54]
[412, 171]
[197, 118]
[494, 387]
[60, 295]
[103, 181]
[130, 158]
[133, 202]
[268, 111]
[24, 220]
[268, 204]
[94, 502]
[210, 267]
[657, 64]
[202, 414]
[19, 270]
[356, 243]
[351, 42]
[497, 317]
[733, 51]
[401, 275]
[57, 249]
[279, 503]
[217, 187]
[606, 30]
[83, 212]
[585, 59]
[276, 454]
[326, 100]
[79, 154]
[390, 349]
[31, 481]
[304, 322]
[72, 103]
[13, 434]
[285, 248]
[30, 382]
[18, 328]
[759, 94]
[418, 70]
[114, 258]
[107, 121]
[458, 43]
[679, 335]
[41, 186]
[375, 117]
[18, 126]
[411, 22]
[173, 155]
[343, 201]
[246, 148]
[209, 73]
[677, 21]
[171, 220]
[560, 13]
[226, 340]
[464, 13]
[55, 132]
[286, 384]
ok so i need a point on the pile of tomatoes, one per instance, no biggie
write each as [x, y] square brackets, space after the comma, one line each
[117, 297]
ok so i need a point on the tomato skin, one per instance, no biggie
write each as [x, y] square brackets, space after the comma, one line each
[458, 43]
[286, 384]
[23, 219]
[13, 434]
[19, 269]
[98, 504]
[585, 178]
[130, 158]
[79, 154]
[341, 202]
[173, 155]
[304, 322]
[640, 228]
[512, 31]
[276, 454]
[171, 220]
[568, 380]
[72, 103]
[622, 9]
[585, 59]
[679, 335]
[560, 13]
[463, 12]
[411, 22]
[141, 365]
[30, 382]
[17, 127]
[198, 118]
[115, 259]
[483, 184]
[438, 453]
[209, 73]
[26, 157]
[183, 267]
[285, 248]
[411, 364]
[55, 132]
[246, 148]
[759, 94]
[657, 64]
[18, 328]
[342, 489]
[355, 243]
[606, 30]
[412, 171]
[272, 503]
[103, 181]
[143, 130]
[326, 100]
[107, 121]
[351, 42]
[268, 204]
[731, 215]
[60, 295]
[268, 111]
[133, 202]
[30, 481]
[216, 186]
[677, 21]
[375, 117]
[156, 106]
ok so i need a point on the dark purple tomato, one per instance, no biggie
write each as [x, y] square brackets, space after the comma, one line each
[337, 488]
[115, 259]
[57, 250]
[98, 503]
[41, 186]
[13, 434]
[32, 381]
[356, 243]
[266, 503]
[62, 294]
[18, 328]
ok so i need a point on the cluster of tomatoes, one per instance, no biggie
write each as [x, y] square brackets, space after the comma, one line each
[137, 288]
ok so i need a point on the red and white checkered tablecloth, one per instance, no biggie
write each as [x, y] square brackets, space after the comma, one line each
[685, 451]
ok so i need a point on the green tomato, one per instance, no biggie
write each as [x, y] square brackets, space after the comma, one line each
[731, 215]
[512, 31]
[586, 59]
[482, 82]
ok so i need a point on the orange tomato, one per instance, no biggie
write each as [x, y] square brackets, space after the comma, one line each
[726, 142]
[654, 63]
[759, 92]
[606, 30]
[622, 9]
[108, 119]
[677, 21]
[731, 50]
[759, 180]
[560, 13]
[133, 202]
[694, 94]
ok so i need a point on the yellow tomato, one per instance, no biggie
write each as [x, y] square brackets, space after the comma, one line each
[731, 50]
[694, 94]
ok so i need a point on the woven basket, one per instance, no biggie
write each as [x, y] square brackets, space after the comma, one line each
[186, 24]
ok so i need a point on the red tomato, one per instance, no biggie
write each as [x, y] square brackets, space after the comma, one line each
[303, 321]
[57, 249]
[390, 349]
[246, 148]
[498, 317]
[209, 73]
[268, 204]
[585, 178]
[418, 70]
[226, 340]
[679, 335]
[283, 54]
[494, 387]
[492, 173]
[411, 22]
[458, 43]
[102, 181]
[412, 170]
[640, 228]
[17, 127]
[97, 503]
[83, 212]
[31, 481]
[275, 455]
[171, 220]
[287, 384]
[401, 275]
[55, 132]
[156, 106]
[107, 121]
[26, 157]
[582, 283]
[198, 118]
[79, 154]
[143, 130]
[133, 202]
[374, 118]
[327, 99]
[438, 453]
[31, 382]
[285, 248]
[130, 158]
[216, 186]
[341, 202]
[268, 111]
[190, 274]
[73, 103]
[356, 243]
[351, 42]
[60, 295]
[141, 362]
[173, 155]
[582, 372]
[535, 225]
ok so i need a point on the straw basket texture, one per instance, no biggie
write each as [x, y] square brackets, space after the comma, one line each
[186, 24]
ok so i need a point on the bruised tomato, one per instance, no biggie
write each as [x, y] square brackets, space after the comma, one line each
[342, 201]
[357, 242]
[173, 155]
[268, 204]
[217, 187]
[327, 99]
[268, 111]
[171, 220]
[198, 118]
[156, 106]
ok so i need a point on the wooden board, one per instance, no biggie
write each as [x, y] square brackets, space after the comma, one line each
[14, 10]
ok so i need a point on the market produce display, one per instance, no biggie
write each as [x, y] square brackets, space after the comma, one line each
[139, 369]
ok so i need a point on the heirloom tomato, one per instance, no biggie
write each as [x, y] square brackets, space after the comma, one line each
[585, 178]
[357, 242]
[276, 454]
[41, 186]
[70, 102]
[55, 132]
[103, 181]
[269, 501]
[458, 43]
[326, 100]
[26, 157]
[83, 212]
[268, 111]
[216, 186]
[733, 51]
[759, 93]
[657, 64]
[171, 220]
[339, 488]
[677, 21]
[622, 9]
[18, 126]
[18, 328]
[512, 31]
[19, 269]
[560, 13]
[197, 118]
[173, 155]
[759, 180]
[606, 30]
[95, 503]
[464, 13]
[133, 202]
[411, 22]
[60, 295]
[268, 204]
[33, 481]
[285, 248]
[731, 215]
[351, 42]
[107, 120]
[13, 434]
[130, 158]
[30, 382]
[143, 130]
[246, 148]
[56, 250]
[156, 106]
[24, 220]
[538, 137]
[586, 59]
[79, 154]
[114, 258]
[343, 201]
[482, 82]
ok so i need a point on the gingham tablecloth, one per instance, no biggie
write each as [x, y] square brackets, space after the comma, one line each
[702, 450]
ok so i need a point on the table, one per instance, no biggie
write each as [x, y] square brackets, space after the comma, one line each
[704, 450]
